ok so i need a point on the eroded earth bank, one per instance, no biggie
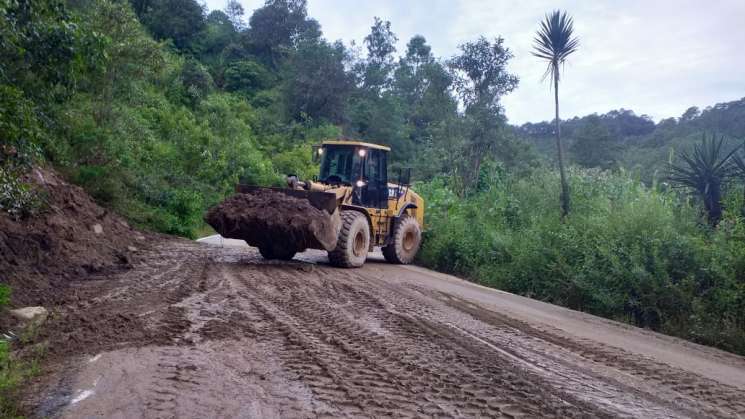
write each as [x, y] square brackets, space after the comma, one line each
[195, 331]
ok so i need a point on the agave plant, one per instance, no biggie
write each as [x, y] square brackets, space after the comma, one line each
[704, 170]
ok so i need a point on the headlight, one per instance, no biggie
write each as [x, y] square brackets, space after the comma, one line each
[360, 183]
[362, 152]
[320, 151]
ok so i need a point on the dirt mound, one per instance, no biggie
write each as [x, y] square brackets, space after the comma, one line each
[271, 219]
[69, 239]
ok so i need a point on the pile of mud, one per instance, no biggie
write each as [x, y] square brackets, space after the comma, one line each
[69, 239]
[271, 219]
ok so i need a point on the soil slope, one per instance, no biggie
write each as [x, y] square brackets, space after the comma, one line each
[70, 239]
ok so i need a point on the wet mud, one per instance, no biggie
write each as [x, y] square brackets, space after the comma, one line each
[199, 331]
[265, 218]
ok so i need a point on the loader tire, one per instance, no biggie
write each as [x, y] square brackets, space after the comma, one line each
[405, 241]
[273, 252]
[353, 243]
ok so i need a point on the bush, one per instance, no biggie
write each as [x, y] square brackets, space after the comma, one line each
[16, 198]
[247, 77]
[627, 252]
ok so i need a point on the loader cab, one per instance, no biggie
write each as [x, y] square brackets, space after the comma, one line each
[363, 166]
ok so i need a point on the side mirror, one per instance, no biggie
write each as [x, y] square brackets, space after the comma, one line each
[317, 153]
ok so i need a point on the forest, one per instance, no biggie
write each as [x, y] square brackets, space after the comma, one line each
[158, 107]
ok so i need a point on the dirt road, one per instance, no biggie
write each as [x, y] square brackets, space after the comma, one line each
[198, 331]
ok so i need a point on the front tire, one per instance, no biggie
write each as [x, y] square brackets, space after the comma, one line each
[275, 252]
[353, 242]
[405, 242]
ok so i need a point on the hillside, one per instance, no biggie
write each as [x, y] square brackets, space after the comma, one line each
[620, 138]
[69, 237]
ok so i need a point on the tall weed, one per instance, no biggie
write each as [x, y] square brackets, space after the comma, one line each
[628, 252]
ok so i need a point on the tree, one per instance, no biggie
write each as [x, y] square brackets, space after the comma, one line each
[554, 42]
[279, 26]
[196, 80]
[481, 79]
[594, 146]
[423, 85]
[704, 171]
[381, 45]
[690, 114]
[218, 33]
[625, 123]
[178, 20]
[235, 12]
[316, 83]
[375, 112]
[247, 77]
[410, 81]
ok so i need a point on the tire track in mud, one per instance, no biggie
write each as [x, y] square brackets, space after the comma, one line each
[680, 390]
[488, 342]
[594, 371]
[505, 342]
[415, 369]
[226, 333]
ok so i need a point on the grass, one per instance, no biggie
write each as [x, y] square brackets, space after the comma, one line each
[15, 369]
[204, 230]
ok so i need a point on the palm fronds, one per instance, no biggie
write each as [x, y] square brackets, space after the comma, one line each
[738, 164]
[555, 41]
[704, 170]
[703, 165]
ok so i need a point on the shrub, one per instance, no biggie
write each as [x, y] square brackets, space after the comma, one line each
[16, 197]
[627, 252]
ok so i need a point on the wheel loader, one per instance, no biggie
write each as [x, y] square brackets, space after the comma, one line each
[365, 209]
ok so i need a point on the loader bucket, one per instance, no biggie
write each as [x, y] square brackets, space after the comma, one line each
[322, 200]
[279, 219]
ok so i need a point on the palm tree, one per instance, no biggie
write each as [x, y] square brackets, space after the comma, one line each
[554, 42]
[705, 170]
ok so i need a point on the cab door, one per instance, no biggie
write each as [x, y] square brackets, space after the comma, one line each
[375, 192]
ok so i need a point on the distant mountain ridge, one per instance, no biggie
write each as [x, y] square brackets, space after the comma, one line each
[727, 118]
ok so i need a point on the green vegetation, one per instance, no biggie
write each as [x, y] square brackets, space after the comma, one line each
[157, 108]
[11, 370]
[627, 252]
[706, 170]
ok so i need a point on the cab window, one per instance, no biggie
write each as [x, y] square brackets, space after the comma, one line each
[339, 164]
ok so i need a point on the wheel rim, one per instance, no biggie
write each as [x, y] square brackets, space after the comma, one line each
[409, 241]
[359, 246]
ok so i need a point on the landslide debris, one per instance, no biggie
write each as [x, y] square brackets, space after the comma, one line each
[70, 238]
[267, 218]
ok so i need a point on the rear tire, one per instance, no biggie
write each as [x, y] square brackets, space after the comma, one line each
[405, 242]
[272, 252]
[353, 243]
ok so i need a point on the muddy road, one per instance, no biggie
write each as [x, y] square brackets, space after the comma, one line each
[199, 331]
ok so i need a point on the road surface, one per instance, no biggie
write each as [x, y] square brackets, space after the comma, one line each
[198, 330]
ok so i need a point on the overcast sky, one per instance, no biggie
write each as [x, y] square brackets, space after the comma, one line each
[656, 57]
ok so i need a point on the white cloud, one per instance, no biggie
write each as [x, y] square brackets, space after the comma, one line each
[655, 57]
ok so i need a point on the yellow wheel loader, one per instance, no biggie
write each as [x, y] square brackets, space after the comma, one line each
[365, 209]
